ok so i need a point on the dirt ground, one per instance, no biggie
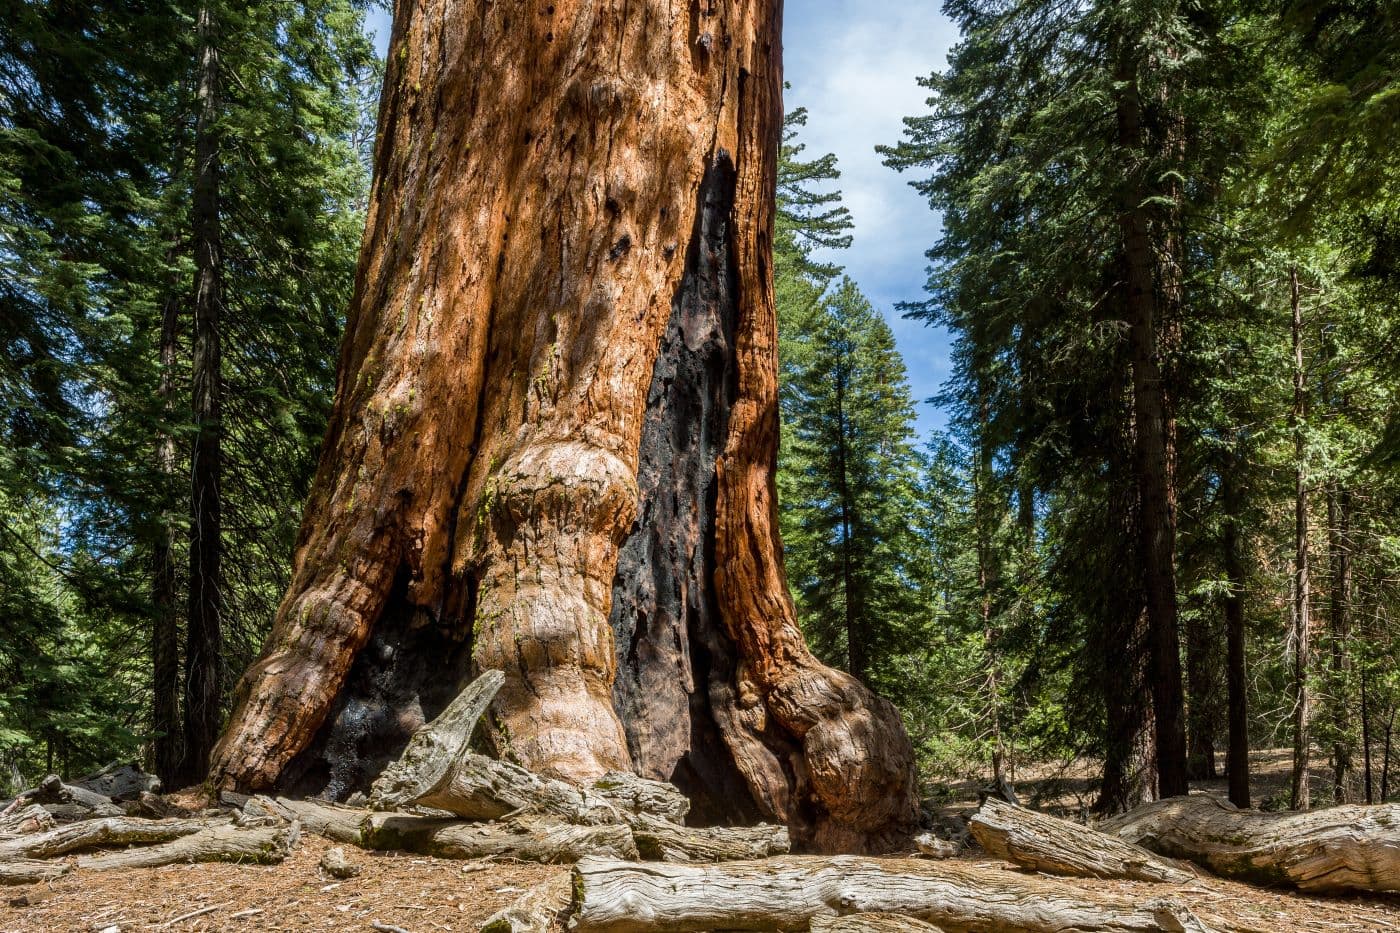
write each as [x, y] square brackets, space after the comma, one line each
[421, 894]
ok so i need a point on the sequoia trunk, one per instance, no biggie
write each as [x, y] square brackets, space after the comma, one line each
[553, 446]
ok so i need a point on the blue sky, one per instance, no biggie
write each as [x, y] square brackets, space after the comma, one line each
[853, 65]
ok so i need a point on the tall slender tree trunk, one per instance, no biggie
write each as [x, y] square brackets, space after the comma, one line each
[857, 661]
[554, 441]
[1339, 544]
[165, 627]
[1366, 739]
[1150, 413]
[1302, 584]
[1236, 676]
[981, 510]
[1203, 713]
[204, 637]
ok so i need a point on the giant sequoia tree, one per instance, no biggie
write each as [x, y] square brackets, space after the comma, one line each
[553, 444]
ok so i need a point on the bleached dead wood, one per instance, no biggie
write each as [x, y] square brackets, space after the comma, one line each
[120, 781]
[1049, 844]
[435, 746]
[70, 802]
[340, 824]
[438, 770]
[29, 871]
[1354, 847]
[30, 818]
[665, 841]
[535, 911]
[930, 846]
[530, 839]
[91, 834]
[632, 794]
[263, 845]
[871, 923]
[788, 893]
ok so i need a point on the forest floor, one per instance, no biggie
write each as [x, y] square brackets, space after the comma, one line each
[422, 894]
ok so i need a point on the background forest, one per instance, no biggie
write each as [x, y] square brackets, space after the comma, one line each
[1163, 528]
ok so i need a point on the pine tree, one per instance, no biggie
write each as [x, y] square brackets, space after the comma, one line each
[852, 430]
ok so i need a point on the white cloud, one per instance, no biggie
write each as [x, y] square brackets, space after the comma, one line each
[853, 64]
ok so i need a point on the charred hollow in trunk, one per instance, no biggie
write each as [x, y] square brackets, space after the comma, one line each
[675, 662]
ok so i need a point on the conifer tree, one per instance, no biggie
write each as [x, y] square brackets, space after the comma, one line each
[852, 430]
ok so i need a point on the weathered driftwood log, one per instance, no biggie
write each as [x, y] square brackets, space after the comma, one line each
[70, 802]
[435, 747]
[872, 923]
[30, 871]
[789, 893]
[225, 842]
[92, 834]
[530, 839]
[1049, 844]
[337, 823]
[1341, 848]
[439, 770]
[930, 846]
[633, 795]
[535, 911]
[665, 841]
[25, 818]
[120, 782]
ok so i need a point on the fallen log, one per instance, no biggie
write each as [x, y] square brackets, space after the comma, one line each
[872, 923]
[120, 782]
[30, 818]
[438, 770]
[789, 893]
[631, 794]
[1049, 844]
[92, 834]
[337, 823]
[69, 801]
[930, 846]
[435, 746]
[665, 841]
[1343, 848]
[529, 839]
[538, 910]
[30, 871]
[224, 842]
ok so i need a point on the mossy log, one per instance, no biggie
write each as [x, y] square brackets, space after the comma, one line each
[789, 893]
[337, 823]
[1345, 848]
[1049, 844]
[439, 770]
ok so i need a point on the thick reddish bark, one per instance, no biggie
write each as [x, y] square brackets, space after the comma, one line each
[553, 446]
